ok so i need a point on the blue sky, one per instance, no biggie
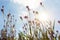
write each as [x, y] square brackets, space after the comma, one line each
[16, 8]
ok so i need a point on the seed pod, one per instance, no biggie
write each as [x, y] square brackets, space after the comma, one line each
[21, 18]
[33, 11]
[8, 15]
[36, 12]
[58, 21]
[2, 9]
[28, 8]
[25, 17]
[40, 3]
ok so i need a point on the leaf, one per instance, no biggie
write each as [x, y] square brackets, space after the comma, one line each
[53, 24]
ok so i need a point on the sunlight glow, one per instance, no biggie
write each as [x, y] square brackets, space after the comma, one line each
[43, 16]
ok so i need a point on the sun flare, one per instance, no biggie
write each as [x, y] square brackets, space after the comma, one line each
[43, 16]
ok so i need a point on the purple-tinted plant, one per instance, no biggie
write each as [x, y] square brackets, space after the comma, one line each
[8, 31]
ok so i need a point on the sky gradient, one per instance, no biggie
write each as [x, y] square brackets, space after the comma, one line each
[17, 7]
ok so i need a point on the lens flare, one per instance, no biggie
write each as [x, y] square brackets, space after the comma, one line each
[43, 16]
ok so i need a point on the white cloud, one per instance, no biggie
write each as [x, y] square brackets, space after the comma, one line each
[30, 3]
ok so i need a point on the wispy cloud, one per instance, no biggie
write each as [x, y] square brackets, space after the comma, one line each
[30, 3]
